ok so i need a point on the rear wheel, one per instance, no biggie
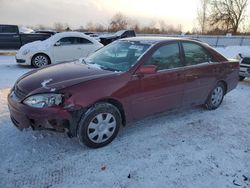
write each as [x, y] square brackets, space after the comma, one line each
[242, 78]
[40, 60]
[216, 96]
[99, 125]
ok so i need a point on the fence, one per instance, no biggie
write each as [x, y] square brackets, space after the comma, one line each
[215, 41]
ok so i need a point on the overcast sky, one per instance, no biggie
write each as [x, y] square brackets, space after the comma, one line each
[80, 12]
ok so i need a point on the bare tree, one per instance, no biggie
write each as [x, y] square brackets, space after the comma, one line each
[118, 22]
[227, 15]
[202, 15]
[90, 26]
[59, 26]
[134, 25]
[99, 27]
[41, 27]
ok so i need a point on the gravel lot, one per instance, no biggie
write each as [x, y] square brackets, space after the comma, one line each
[185, 148]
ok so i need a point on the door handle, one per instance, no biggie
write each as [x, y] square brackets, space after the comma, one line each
[79, 48]
[192, 76]
[15, 36]
[216, 70]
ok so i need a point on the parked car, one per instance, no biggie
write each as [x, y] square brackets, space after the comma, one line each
[244, 67]
[61, 47]
[93, 35]
[12, 37]
[107, 39]
[51, 32]
[126, 80]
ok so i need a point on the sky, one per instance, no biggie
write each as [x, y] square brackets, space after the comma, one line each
[79, 12]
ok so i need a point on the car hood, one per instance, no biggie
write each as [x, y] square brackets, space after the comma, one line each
[36, 45]
[56, 77]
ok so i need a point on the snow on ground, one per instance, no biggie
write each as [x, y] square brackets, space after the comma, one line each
[10, 71]
[185, 148]
[233, 51]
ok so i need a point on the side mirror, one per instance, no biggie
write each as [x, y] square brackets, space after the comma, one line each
[147, 69]
[57, 43]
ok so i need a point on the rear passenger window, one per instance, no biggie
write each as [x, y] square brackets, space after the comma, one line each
[8, 29]
[166, 57]
[84, 41]
[68, 41]
[74, 41]
[195, 54]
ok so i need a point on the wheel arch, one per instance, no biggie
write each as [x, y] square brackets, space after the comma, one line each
[225, 85]
[41, 53]
[118, 105]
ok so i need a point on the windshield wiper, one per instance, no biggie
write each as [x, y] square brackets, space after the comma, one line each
[108, 68]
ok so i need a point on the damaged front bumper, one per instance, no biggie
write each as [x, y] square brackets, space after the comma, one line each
[52, 118]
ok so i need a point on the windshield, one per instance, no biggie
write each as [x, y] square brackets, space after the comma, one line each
[118, 56]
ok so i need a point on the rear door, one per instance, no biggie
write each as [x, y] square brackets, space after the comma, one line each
[9, 37]
[87, 47]
[201, 73]
[164, 89]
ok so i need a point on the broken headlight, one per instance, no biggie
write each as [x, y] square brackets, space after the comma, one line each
[43, 100]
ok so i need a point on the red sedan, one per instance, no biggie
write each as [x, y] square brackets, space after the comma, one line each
[126, 80]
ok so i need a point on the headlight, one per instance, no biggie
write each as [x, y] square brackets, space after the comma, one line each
[25, 52]
[43, 100]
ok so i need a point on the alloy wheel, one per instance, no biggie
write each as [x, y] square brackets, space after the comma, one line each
[41, 61]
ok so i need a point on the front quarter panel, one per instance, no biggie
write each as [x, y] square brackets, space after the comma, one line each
[88, 93]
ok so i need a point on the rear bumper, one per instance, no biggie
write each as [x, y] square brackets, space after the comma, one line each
[23, 116]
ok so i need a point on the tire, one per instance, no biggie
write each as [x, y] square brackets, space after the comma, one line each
[216, 97]
[40, 60]
[242, 78]
[95, 130]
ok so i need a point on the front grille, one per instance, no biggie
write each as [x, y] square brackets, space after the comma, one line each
[246, 60]
[20, 60]
[19, 93]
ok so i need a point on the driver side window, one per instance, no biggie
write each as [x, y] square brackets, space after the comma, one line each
[166, 57]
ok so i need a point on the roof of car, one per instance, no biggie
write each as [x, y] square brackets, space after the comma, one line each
[154, 40]
[70, 33]
[73, 34]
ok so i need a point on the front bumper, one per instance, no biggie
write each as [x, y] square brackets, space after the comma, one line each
[20, 60]
[23, 60]
[23, 116]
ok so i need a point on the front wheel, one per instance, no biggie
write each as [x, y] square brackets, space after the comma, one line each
[99, 125]
[216, 97]
[40, 60]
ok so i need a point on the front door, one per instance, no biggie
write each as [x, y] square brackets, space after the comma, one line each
[164, 89]
[67, 49]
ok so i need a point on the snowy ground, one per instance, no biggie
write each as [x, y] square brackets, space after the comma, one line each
[187, 148]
